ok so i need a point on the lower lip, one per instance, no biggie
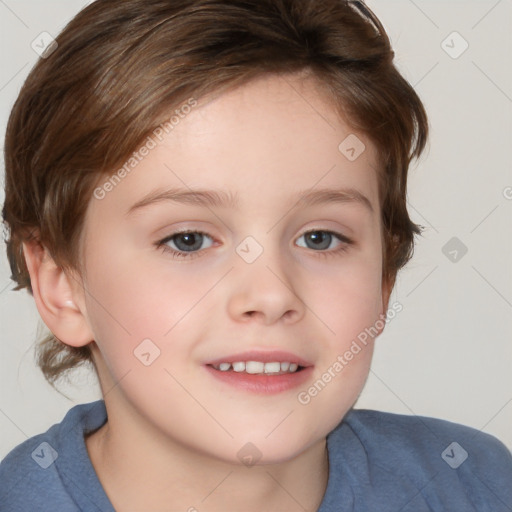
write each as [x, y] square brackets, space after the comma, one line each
[263, 384]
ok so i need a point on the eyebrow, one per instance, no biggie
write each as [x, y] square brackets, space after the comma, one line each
[223, 199]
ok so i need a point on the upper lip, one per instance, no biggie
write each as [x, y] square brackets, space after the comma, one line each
[268, 356]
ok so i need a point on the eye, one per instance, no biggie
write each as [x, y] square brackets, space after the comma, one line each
[189, 244]
[321, 240]
[184, 244]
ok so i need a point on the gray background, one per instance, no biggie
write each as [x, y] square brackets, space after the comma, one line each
[448, 354]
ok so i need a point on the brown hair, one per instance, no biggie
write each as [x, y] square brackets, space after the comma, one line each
[121, 67]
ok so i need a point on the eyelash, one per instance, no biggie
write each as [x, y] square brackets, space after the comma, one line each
[162, 244]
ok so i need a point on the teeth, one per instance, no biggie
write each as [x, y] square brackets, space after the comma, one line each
[239, 367]
[272, 367]
[258, 367]
[254, 367]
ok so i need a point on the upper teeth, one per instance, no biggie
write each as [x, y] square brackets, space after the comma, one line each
[257, 367]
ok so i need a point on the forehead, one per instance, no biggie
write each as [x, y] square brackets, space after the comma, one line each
[272, 139]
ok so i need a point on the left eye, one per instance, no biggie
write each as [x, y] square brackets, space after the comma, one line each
[321, 239]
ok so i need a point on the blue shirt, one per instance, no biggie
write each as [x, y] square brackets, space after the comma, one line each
[377, 462]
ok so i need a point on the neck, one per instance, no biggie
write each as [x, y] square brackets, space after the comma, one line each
[141, 470]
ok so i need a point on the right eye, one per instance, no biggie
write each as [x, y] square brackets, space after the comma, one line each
[186, 243]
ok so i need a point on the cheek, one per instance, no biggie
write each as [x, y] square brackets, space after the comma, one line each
[120, 297]
[131, 299]
[350, 299]
[349, 306]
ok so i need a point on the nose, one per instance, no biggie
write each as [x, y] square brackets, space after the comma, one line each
[264, 292]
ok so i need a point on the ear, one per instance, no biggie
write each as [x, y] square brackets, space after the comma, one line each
[55, 297]
[387, 288]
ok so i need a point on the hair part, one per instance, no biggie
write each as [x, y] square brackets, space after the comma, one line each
[121, 67]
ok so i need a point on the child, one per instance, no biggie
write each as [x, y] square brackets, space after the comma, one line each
[278, 133]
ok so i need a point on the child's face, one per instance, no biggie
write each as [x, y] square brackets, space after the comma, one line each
[269, 144]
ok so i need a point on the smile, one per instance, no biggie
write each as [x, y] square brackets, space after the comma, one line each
[259, 367]
[261, 372]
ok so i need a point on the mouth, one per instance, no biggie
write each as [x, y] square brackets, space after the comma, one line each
[259, 367]
[261, 372]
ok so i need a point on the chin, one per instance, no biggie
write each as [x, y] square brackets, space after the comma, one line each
[277, 449]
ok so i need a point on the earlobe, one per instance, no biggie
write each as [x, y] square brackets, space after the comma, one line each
[54, 298]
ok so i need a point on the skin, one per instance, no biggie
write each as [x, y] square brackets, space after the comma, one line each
[173, 431]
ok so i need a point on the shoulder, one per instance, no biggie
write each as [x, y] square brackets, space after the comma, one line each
[28, 475]
[419, 431]
[31, 475]
[443, 461]
[421, 436]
